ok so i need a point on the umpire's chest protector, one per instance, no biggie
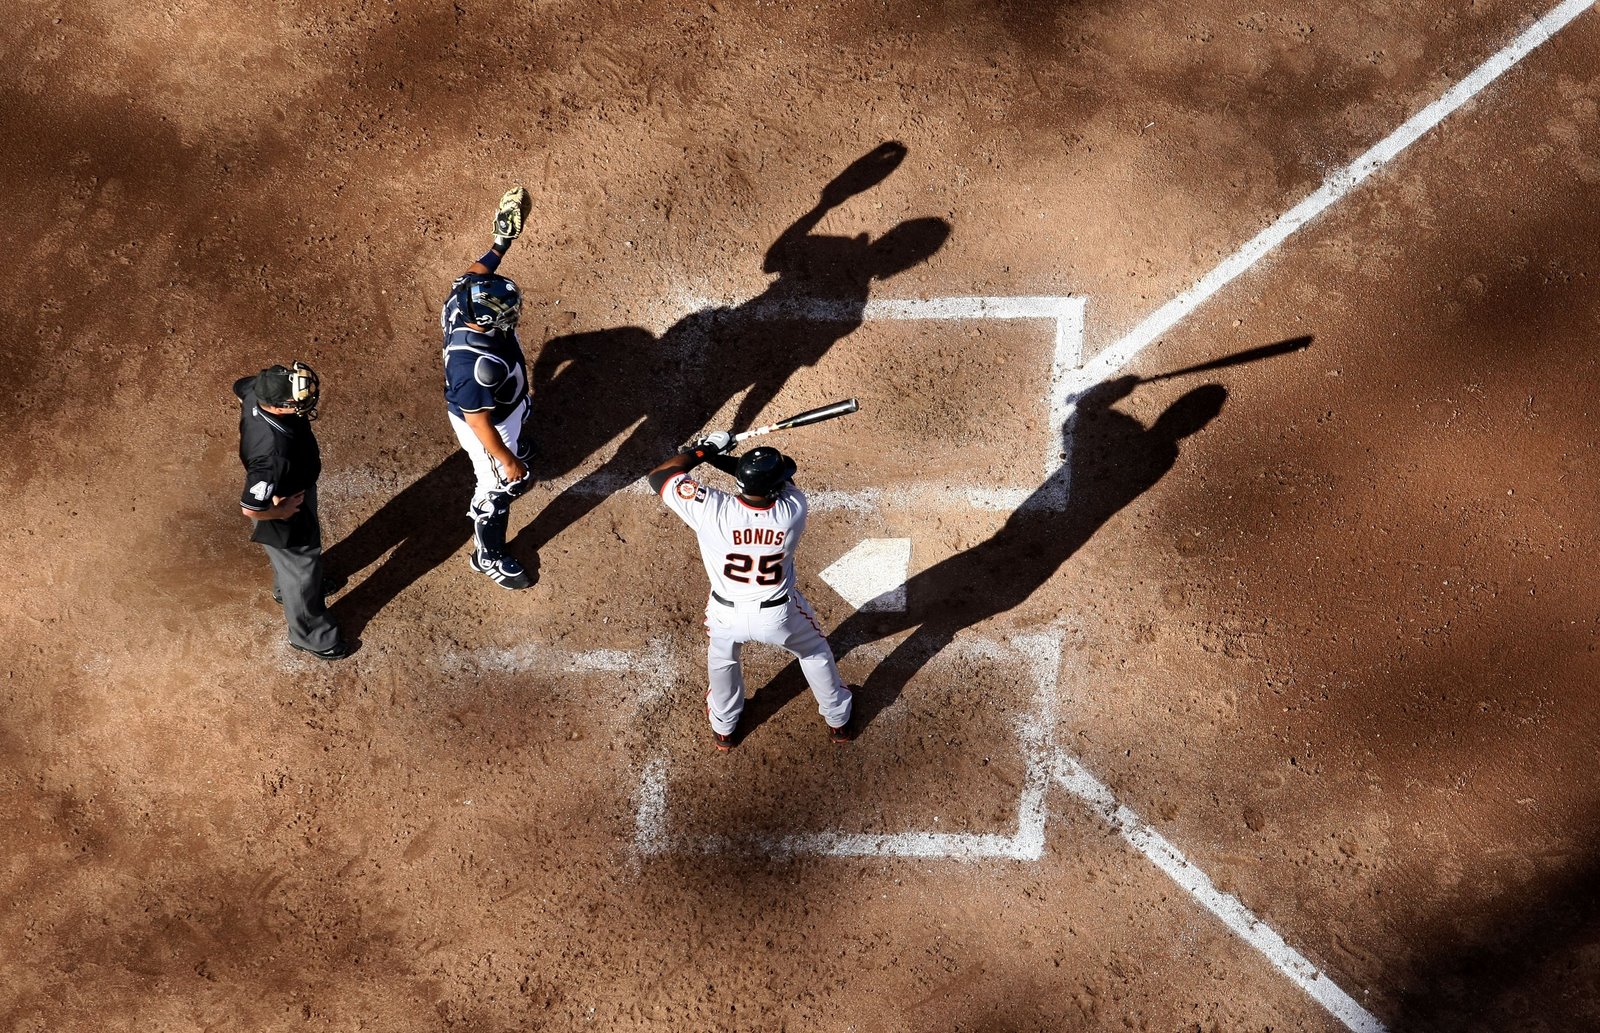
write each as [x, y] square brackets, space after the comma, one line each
[284, 450]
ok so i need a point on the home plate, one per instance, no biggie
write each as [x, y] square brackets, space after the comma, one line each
[872, 576]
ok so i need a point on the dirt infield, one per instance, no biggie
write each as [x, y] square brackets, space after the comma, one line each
[1258, 698]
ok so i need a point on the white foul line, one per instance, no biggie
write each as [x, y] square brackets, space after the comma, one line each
[1112, 359]
[1106, 363]
[1141, 836]
[1069, 379]
[1233, 914]
[1068, 382]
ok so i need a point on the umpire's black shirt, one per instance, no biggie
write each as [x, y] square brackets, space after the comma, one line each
[280, 458]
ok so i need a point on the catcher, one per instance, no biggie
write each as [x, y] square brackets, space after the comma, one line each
[486, 392]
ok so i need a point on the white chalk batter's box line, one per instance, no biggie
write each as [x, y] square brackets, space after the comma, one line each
[1064, 313]
[653, 834]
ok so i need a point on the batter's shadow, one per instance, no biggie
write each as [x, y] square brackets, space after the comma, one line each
[655, 393]
[1114, 459]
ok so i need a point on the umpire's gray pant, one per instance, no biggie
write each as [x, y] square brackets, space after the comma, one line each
[297, 580]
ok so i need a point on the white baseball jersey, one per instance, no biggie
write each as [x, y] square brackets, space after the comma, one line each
[748, 552]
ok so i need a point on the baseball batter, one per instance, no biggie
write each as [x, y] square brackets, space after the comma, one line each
[486, 392]
[747, 544]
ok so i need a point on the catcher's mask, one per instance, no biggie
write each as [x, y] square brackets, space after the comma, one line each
[488, 300]
[763, 472]
[294, 387]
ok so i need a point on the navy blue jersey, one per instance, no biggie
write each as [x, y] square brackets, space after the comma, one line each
[281, 459]
[484, 371]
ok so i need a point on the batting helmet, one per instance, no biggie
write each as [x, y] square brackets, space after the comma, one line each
[485, 299]
[763, 472]
[294, 387]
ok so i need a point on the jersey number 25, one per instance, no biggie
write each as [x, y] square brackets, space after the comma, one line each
[768, 572]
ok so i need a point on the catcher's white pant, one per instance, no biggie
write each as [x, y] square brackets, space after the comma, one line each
[792, 626]
[487, 471]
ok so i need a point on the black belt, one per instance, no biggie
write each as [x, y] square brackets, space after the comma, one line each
[770, 602]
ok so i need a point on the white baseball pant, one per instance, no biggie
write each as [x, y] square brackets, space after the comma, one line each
[484, 468]
[792, 626]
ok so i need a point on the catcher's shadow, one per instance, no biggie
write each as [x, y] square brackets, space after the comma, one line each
[655, 393]
[1114, 459]
[419, 528]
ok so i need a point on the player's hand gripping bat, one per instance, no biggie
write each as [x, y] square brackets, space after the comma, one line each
[810, 416]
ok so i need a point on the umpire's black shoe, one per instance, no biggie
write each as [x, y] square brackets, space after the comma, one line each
[338, 651]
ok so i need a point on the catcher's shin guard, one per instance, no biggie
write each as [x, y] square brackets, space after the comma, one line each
[489, 536]
[489, 520]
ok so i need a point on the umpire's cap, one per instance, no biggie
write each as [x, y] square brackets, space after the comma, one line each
[294, 387]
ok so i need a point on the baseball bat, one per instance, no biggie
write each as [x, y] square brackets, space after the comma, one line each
[810, 416]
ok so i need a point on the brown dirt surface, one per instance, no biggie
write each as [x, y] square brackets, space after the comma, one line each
[1336, 640]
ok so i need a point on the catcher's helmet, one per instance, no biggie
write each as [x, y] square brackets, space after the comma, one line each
[294, 387]
[486, 300]
[763, 472]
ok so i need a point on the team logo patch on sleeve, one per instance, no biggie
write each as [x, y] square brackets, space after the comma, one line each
[688, 489]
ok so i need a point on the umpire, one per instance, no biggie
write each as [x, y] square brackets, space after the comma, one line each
[282, 463]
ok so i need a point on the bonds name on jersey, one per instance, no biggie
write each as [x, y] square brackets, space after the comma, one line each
[484, 370]
[748, 552]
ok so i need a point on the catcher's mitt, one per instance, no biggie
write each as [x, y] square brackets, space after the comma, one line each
[513, 208]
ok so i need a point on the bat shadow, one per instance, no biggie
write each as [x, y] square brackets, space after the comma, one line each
[1113, 459]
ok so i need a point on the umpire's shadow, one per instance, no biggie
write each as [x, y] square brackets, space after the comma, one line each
[655, 393]
[1114, 459]
[424, 525]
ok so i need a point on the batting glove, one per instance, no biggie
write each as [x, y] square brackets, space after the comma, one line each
[721, 441]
